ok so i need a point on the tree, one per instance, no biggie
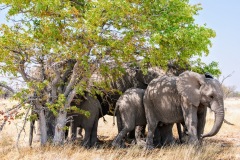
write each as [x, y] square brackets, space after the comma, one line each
[69, 40]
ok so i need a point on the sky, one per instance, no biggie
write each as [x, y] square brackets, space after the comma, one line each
[223, 16]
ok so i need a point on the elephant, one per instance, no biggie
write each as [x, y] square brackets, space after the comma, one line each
[130, 115]
[183, 99]
[89, 124]
[133, 77]
[76, 118]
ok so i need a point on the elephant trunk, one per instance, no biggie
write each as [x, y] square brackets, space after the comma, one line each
[219, 118]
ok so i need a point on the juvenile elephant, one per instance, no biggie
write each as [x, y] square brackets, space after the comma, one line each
[74, 119]
[183, 99]
[89, 124]
[130, 113]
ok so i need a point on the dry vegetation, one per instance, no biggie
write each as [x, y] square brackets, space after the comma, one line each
[225, 145]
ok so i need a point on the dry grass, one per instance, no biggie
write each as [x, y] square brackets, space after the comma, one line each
[225, 145]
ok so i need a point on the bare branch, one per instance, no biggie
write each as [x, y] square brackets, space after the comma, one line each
[57, 79]
[224, 78]
[10, 112]
[23, 127]
[55, 82]
[70, 97]
[73, 80]
[22, 71]
[2, 7]
[57, 65]
[7, 87]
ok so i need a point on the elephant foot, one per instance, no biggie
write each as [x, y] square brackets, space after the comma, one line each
[96, 145]
[194, 141]
[149, 147]
[141, 143]
[158, 145]
[118, 145]
[86, 145]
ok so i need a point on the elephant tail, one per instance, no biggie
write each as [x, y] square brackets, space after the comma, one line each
[104, 120]
[114, 114]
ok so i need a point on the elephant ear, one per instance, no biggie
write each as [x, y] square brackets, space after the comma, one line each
[188, 85]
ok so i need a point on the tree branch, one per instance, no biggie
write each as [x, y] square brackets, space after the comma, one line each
[23, 127]
[10, 112]
[224, 78]
[73, 80]
[22, 71]
[7, 87]
[55, 81]
[70, 97]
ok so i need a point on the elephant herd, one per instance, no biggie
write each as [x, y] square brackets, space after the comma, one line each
[157, 101]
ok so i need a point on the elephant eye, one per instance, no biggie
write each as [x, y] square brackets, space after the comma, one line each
[211, 97]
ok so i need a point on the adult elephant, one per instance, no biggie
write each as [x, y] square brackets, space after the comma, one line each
[183, 99]
[89, 124]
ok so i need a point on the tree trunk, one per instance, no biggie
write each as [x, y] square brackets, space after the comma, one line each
[43, 127]
[38, 131]
[59, 135]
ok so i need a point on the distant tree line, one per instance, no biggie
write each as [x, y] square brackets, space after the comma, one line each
[230, 91]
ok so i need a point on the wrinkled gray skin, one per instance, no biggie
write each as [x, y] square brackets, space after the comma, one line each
[183, 99]
[89, 124]
[130, 113]
[163, 134]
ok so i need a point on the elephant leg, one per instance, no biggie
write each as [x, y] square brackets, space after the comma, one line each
[179, 130]
[143, 135]
[191, 121]
[166, 134]
[131, 134]
[151, 129]
[94, 138]
[66, 134]
[73, 131]
[80, 132]
[119, 122]
[201, 121]
[87, 137]
[157, 137]
[138, 133]
[120, 126]
[118, 140]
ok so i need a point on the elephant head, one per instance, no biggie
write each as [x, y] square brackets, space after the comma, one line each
[201, 90]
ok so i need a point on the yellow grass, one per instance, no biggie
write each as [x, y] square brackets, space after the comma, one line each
[225, 145]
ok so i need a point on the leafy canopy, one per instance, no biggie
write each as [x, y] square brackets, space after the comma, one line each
[85, 36]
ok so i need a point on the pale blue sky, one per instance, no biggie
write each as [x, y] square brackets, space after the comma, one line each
[224, 17]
